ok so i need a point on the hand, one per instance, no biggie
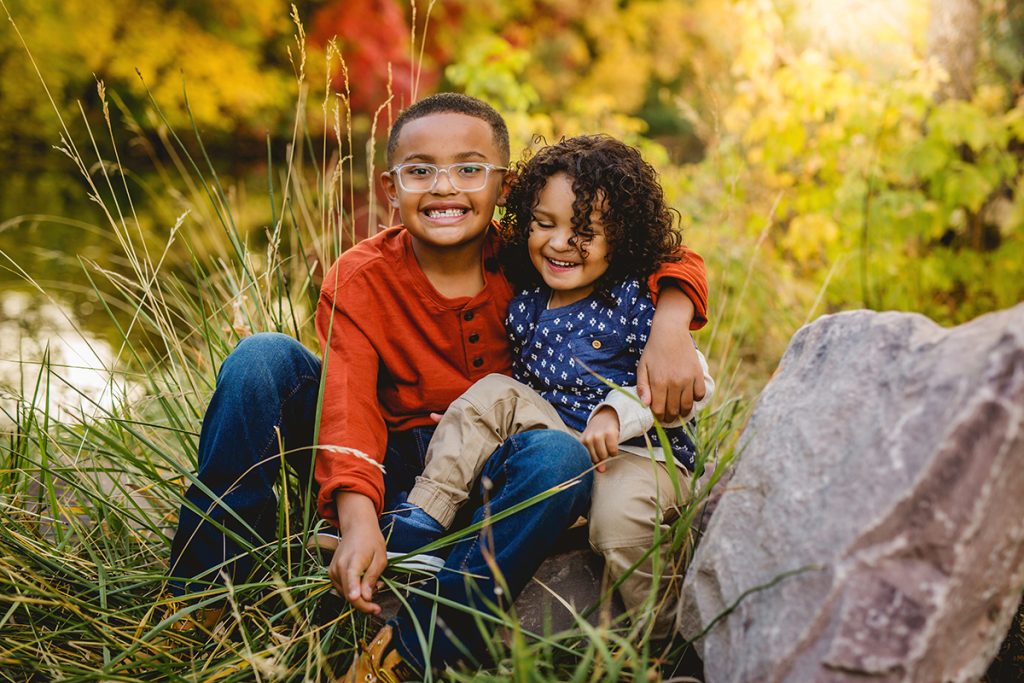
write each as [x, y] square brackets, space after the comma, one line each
[361, 554]
[601, 436]
[669, 377]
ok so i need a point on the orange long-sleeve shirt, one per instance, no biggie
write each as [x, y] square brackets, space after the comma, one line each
[395, 350]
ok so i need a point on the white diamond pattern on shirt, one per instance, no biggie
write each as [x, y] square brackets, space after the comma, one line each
[547, 346]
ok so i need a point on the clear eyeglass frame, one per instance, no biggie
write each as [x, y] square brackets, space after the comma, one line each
[422, 177]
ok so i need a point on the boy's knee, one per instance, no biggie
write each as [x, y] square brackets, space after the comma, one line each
[263, 345]
[624, 518]
[266, 356]
[486, 391]
[560, 456]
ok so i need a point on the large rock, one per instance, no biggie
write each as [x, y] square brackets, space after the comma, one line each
[885, 460]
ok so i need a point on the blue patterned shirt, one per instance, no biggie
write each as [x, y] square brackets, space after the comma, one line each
[564, 352]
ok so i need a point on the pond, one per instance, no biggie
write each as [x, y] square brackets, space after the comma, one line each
[54, 244]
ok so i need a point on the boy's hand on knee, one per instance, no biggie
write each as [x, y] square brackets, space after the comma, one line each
[601, 436]
[361, 555]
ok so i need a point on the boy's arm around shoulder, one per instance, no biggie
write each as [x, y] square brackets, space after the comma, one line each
[669, 377]
[688, 275]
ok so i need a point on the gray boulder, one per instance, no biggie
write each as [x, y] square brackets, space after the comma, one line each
[875, 519]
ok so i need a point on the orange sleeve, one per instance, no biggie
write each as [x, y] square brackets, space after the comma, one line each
[353, 435]
[690, 275]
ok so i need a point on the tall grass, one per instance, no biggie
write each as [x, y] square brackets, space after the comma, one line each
[89, 499]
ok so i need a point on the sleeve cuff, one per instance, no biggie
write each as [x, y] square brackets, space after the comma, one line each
[709, 388]
[635, 418]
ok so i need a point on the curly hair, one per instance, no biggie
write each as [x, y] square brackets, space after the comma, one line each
[606, 173]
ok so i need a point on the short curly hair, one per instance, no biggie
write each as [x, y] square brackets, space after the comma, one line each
[451, 103]
[640, 228]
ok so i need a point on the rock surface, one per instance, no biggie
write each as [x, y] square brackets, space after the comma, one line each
[571, 577]
[884, 463]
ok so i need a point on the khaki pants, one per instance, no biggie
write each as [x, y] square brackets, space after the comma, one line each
[632, 499]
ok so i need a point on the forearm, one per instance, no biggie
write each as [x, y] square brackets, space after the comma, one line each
[673, 314]
[669, 376]
[689, 275]
[355, 510]
[635, 419]
[353, 434]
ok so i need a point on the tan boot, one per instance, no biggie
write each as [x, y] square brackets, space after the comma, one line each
[204, 619]
[373, 666]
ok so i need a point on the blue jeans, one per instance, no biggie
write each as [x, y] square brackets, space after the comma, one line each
[271, 382]
[524, 466]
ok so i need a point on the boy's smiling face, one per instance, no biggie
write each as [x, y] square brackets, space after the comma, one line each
[446, 217]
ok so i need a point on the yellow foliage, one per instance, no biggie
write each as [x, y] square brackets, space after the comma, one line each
[809, 236]
[73, 40]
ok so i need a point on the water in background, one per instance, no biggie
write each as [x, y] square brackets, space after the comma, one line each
[51, 234]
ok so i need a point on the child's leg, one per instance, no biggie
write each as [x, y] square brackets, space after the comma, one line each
[266, 394]
[493, 566]
[624, 514]
[473, 427]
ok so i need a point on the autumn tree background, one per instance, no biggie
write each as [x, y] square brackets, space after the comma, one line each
[824, 155]
[174, 176]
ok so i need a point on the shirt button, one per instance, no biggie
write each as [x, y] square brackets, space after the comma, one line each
[468, 315]
[474, 338]
[477, 362]
[596, 343]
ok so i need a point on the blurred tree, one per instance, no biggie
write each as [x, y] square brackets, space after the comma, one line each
[616, 67]
[954, 33]
[376, 41]
[229, 55]
[1003, 25]
[884, 196]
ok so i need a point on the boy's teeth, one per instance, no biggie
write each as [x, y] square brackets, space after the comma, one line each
[445, 213]
[563, 264]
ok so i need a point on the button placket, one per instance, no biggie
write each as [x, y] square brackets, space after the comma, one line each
[472, 336]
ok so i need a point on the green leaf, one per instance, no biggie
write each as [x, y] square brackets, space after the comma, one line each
[966, 186]
[927, 158]
[958, 122]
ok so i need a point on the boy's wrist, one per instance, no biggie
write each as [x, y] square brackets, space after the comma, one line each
[605, 411]
[673, 302]
[354, 509]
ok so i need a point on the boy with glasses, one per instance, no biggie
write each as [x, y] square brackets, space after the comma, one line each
[408, 320]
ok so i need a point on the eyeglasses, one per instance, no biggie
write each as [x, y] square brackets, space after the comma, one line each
[465, 177]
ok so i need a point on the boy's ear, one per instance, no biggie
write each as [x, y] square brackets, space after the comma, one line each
[388, 182]
[506, 185]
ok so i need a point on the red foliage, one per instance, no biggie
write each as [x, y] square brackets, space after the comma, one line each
[371, 35]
